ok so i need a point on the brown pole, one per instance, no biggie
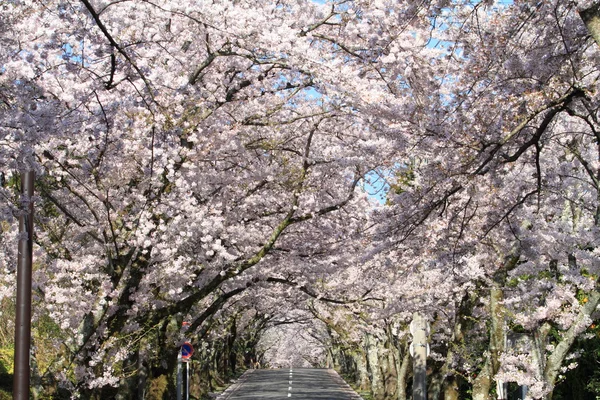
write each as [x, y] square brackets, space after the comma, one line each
[23, 311]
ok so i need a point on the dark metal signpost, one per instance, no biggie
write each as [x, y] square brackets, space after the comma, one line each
[23, 311]
[187, 350]
[185, 354]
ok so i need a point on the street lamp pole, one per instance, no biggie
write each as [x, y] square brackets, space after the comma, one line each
[22, 370]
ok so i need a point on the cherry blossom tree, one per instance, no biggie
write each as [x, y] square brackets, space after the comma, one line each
[501, 178]
[201, 162]
[175, 145]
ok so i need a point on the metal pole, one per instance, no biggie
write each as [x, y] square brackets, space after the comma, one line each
[523, 389]
[22, 371]
[187, 379]
[179, 377]
[418, 328]
[501, 390]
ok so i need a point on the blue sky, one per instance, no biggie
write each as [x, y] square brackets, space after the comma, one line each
[376, 185]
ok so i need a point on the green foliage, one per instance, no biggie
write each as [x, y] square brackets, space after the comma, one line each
[546, 274]
[582, 296]
[583, 382]
[13, 182]
[7, 318]
[158, 387]
[404, 179]
[512, 282]
[6, 372]
[5, 395]
[366, 395]
[7, 351]
[6, 360]
[46, 327]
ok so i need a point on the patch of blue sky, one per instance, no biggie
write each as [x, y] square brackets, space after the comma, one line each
[312, 93]
[68, 51]
[70, 55]
[503, 3]
[284, 81]
[443, 21]
[377, 184]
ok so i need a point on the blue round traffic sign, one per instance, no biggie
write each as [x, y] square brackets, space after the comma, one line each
[187, 350]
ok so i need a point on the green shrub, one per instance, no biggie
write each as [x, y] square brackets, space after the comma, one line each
[6, 360]
[158, 387]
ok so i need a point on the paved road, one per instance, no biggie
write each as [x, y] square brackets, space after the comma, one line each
[296, 384]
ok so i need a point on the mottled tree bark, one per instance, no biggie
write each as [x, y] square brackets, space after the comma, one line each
[360, 360]
[451, 388]
[483, 382]
[374, 367]
[390, 374]
[436, 382]
[556, 359]
[403, 370]
[485, 379]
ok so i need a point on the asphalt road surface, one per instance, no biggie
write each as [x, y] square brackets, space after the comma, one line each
[296, 384]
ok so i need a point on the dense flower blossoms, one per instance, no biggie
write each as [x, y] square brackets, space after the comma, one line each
[188, 155]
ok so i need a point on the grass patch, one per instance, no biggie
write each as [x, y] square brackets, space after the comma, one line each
[366, 395]
[221, 385]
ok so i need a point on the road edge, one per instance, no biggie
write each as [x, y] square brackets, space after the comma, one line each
[235, 385]
[336, 377]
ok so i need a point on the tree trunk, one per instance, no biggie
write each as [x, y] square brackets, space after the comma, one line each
[36, 379]
[364, 381]
[497, 329]
[436, 383]
[231, 346]
[377, 384]
[128, 385]
[403, 370]
[390, 373]
[556, 359]
[483, 382]
[142, 379]
[451, 388]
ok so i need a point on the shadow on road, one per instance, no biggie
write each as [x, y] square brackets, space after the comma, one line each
[299, 384]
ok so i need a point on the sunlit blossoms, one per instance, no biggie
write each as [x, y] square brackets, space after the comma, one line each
[204, 169]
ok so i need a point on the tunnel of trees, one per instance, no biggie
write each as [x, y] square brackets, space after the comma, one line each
[286, 182]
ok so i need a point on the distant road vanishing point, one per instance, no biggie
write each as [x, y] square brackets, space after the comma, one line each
[292, 383]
